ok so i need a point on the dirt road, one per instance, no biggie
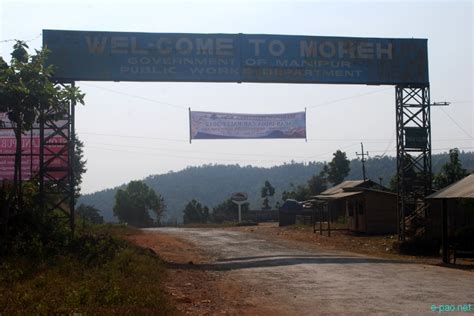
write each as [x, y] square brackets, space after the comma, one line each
[277, 277]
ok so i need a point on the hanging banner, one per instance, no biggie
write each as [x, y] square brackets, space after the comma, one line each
[212, 125]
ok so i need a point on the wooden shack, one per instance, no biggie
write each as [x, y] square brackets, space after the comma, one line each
[452, 208]
[367, 207]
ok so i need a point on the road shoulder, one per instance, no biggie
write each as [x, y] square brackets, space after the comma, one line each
[196, 290]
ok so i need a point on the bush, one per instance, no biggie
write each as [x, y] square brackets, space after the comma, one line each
[96, 273]
[33, 235]
[96, 249]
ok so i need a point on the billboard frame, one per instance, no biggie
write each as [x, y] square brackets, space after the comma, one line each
[219, 57]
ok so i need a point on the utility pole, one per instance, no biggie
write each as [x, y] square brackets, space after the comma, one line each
[363, 160]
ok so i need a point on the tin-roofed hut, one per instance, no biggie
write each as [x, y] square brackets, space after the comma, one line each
[453, 213]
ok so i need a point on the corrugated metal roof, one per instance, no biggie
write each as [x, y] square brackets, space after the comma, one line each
[337, 195]
[463, 189]
[378, 191]
[344, 185]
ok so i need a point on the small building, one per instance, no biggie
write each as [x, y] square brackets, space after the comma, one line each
[459, 200]
[452, 209]
[290, 210]
[368, 207]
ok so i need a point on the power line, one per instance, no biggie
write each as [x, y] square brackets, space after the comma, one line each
[346, 139]
[384, 152]
[330, 152]
[374, 140]
[139, 137]
[26, 41]
[452, 139]
[366, 140]
[446, 148]
[456, 123]
[392, 138]
[137, 96]
[218, 153]
[222, 153]
[186, 107]
[198, 152]
[347, 98]
[230, 160]
[467, 101]
[183, 157]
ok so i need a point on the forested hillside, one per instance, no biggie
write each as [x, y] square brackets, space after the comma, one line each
[212, 184]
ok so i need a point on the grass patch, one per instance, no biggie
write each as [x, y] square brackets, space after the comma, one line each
[98, 273]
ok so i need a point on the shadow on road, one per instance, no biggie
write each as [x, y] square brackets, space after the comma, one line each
[277, 260]
[279, 256]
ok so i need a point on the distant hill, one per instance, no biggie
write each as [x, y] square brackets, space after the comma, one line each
[212, 184]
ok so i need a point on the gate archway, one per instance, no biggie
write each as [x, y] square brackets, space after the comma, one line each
[120, 56]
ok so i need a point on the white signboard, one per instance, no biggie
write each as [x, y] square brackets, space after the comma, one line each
[212, 125]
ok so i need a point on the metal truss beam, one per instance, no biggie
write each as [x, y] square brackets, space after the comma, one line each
[56, 158]
[413, 150]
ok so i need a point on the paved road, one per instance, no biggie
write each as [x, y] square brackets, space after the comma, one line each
[309, 282]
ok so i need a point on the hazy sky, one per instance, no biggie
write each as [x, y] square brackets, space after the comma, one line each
[131, 130]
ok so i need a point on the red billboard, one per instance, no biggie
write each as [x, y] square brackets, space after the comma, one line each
[30, 148]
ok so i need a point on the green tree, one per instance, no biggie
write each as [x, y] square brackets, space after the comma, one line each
[451, 171]
[318, 183]
[89, 213]
[315, 185]
[194, 212]
[227, 211]
[411, 175]
[299, 193]
[132, 204]
[338, 168]
[25, 89]
[267, 192]
[79, 166]
[393, 183]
